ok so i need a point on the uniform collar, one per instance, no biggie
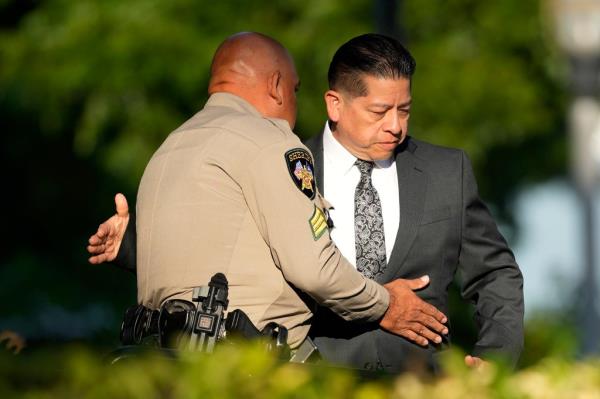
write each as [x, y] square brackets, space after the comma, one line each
[223, 99]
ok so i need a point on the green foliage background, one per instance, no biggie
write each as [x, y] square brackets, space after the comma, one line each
[249, 372]
[89, 89]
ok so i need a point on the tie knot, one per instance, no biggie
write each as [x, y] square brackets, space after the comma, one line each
[365, 167]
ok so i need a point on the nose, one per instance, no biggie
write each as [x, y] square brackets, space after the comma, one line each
[392, 124]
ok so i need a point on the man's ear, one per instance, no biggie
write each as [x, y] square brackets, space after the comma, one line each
[274, 87]
[334, 102]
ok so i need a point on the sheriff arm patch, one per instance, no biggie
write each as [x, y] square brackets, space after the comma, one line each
[300, 166]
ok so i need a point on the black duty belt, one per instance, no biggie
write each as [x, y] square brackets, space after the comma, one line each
[198, 325]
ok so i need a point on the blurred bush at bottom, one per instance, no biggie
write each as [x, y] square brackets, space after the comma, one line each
[248, 372]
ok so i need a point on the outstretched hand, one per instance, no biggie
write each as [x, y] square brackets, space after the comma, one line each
[411, 317]
[13, 341]
[105, 244]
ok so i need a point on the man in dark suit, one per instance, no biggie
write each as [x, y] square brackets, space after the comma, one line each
[402, 208]
[443, 224]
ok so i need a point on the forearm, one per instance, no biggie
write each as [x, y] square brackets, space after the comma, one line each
[490, 276]
[336, 284]
[499, 315]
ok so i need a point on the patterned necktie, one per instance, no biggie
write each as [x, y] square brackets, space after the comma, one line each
[368, 225]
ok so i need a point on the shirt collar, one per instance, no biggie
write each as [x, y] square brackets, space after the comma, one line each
[225, 99]
[337, 156]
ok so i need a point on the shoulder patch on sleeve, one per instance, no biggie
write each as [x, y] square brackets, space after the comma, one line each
[318, 223]
[300, 166]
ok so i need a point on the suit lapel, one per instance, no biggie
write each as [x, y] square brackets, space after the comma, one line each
[412, 184]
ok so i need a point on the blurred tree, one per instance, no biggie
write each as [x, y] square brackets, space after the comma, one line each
[120, 76]
[487, 82]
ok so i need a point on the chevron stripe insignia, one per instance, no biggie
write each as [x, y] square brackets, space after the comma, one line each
[318, 223]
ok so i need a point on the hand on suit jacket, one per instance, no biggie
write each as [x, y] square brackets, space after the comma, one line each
[105, 243]
[411, 317]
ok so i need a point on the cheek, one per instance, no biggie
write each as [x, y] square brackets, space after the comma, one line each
[404, 127]
[293, 102]
[363, 130]
[365, 135]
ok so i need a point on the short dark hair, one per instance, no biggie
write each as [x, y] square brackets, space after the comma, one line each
[369, 54]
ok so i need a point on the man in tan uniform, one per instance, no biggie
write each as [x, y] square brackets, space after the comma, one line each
[232, 191]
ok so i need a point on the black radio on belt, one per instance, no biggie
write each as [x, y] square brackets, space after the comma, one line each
[209, 323]
[196, 325]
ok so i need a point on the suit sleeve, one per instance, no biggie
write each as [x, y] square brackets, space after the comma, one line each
[490, 277]
[310, 262]
[126, 257]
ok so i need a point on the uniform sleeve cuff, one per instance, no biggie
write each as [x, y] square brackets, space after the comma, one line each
[382, 297]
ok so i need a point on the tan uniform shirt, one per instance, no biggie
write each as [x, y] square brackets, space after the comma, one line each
[219, 196]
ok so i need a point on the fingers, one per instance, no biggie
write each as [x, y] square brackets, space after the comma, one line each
[121, 205]
[96, 239]
[98, 252]
[101, 237]
[96, 249]
[98, 245]
[101, 234]
[420, 335]
[426, 334]
[433, 324]
[426, 329]
[475, 362]
[433, 312]
[410, 316]
[422, 282]
[413, 336]
[14, 342]
[96, 260]
[470, 361]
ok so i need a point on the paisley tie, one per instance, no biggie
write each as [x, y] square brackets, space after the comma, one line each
[368, 225]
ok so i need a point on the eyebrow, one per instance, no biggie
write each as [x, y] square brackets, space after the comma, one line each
[384, 105]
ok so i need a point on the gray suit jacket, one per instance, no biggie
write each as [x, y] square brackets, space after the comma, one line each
[444, 227]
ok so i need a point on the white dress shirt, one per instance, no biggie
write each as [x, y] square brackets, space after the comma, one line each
[340, 178]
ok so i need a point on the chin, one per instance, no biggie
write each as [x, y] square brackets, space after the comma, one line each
[381, 156]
